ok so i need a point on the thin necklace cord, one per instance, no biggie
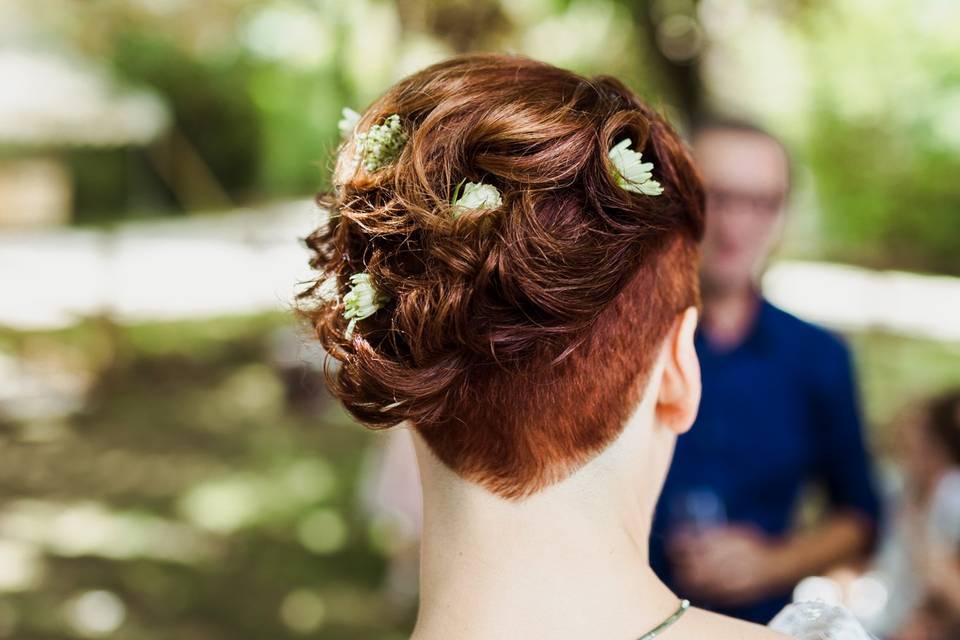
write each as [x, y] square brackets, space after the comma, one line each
[660, 628]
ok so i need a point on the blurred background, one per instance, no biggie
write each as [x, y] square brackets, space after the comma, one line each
[170, 465]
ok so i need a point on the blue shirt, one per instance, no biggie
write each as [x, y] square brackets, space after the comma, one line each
[778, 411]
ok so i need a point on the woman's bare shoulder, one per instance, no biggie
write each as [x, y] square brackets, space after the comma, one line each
[704, 624]
[801, 621]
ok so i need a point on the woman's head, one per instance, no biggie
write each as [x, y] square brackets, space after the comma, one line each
[930, 435]
[516, 339]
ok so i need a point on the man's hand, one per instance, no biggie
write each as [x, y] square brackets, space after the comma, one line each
[729, 566]
[736, 564]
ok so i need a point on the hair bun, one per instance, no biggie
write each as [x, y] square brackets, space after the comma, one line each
[482, 292]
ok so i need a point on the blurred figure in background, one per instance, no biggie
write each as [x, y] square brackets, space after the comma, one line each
[779, 410]
[919, 561]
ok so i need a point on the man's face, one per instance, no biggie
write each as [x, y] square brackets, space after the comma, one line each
[746, 178]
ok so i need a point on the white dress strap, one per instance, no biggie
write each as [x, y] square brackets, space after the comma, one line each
[819, 621]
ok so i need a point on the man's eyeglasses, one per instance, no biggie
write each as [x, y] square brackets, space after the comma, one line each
[720, 199]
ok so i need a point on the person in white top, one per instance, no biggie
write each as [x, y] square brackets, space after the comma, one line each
[918, 561]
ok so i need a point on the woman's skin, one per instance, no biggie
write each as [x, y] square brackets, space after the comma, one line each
[569, 562]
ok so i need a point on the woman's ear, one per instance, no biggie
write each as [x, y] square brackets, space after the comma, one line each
[679, 394]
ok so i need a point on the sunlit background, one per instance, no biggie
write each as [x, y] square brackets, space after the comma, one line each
[170, 465]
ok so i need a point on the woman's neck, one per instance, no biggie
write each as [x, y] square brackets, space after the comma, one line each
[560, 564]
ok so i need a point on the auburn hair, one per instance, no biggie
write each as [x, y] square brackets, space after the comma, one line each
[943, 422]
[516, 340]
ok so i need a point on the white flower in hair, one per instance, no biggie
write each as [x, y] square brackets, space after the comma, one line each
[381, 144]
[348, 122]
[327, 291]
[476, 195]
[362, 301]
[631, 173]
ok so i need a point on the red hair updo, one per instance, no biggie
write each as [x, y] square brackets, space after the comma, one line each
[517, 340]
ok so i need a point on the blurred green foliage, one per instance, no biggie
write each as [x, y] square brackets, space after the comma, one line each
[209, 98]
[884, 139]
[889, 200]
[215, 496]
[866, 92]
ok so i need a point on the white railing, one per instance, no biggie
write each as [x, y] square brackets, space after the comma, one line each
[249, 261]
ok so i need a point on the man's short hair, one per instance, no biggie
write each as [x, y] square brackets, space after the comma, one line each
[707, 124]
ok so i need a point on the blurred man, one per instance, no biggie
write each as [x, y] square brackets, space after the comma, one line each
[779, 410]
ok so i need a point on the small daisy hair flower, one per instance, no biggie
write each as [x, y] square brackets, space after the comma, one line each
[362, 301]
[328, 290]
[348, 122]
[475, 195]
[381, 144]
[632, 173]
